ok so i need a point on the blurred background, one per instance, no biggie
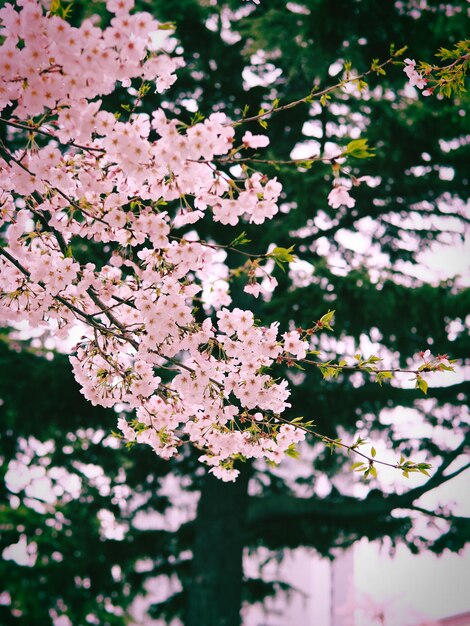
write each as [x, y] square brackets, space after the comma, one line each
[95, 533]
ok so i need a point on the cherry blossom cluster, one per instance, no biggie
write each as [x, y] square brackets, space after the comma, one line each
[137, 184]
[432, 363]
[86, 174]
[415, 78]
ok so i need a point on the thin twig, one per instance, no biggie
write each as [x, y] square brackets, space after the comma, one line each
[311, 95]
[34, 129]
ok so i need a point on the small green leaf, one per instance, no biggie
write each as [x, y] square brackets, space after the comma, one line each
[381, 376]
[282, 256]
[197, 117]
[421, 384]
[292, 452]
[329, 372]
[357, 466]
[359, 149]
[239, 240]
[167, 26]
[362, 85]
[402, 51]
[261, 121]
[325, 320]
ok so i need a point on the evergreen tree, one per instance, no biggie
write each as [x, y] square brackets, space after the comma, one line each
[82, 567]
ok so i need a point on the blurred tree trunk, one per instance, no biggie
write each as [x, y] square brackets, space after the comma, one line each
[215, 590]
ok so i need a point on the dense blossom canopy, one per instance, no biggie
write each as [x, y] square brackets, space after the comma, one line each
[102, 178]
[107, 180]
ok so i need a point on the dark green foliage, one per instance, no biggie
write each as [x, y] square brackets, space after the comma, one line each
[41, 400]
[75, 558]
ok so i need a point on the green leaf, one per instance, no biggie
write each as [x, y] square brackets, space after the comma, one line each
[421, 384]
[325, 320]
[381, 376]
[329, 372]
[359, 442]
[292, 452]
[282, 256]
[239, 457]
[375, 67]
[373, 452]
[445, 368]
[362, 85]
[55, 8]
[332, 443]
[359, 149]
[359, 466]
[402, 51]
[263, 123]
[240, 240]
[197, 117]
[167, 26]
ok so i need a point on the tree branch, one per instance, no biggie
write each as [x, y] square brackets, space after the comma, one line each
[266, 509]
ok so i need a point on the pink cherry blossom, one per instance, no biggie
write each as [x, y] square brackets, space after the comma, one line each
[415, 78]
[116, 182]
[339, 196]
[254, 141]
